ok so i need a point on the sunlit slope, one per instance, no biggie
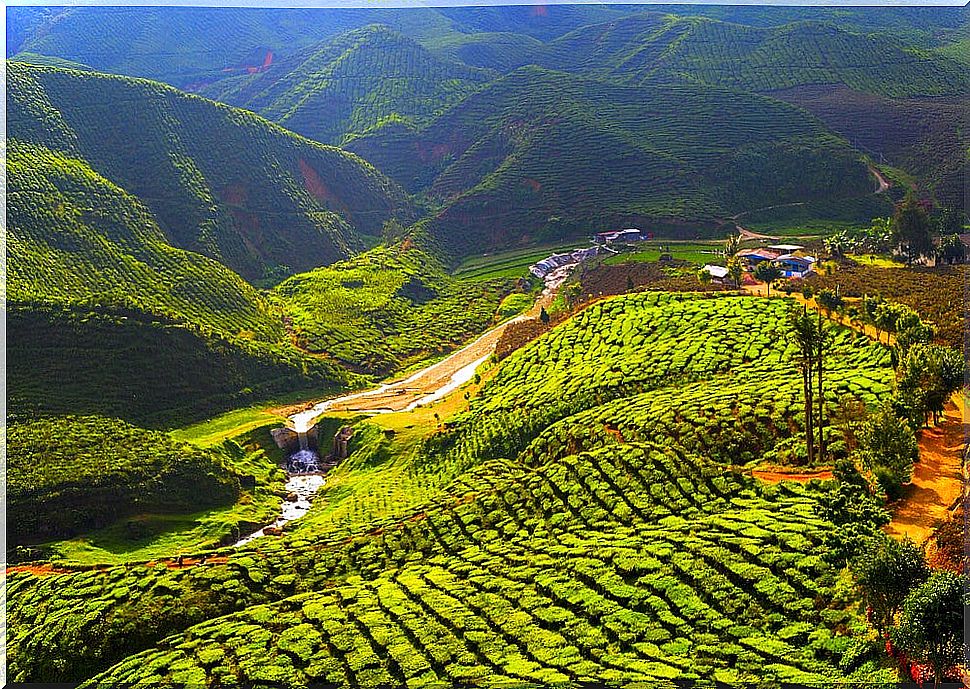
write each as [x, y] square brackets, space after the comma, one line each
[539, 155]
[486, 554]
[351, 83]
[386, 308]
[219, 181]
[74, 237]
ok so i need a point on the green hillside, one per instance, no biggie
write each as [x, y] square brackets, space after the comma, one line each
[219, 181]
[539, 156]
[74, 237]
[350, 84]
[926, 137]
[521, 543]
[91, 359]
[189, 47]
[90, 471]
[642, 47]
[387, 308]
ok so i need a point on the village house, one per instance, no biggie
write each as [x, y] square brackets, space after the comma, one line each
[795, 266]
[718, 273]
[629, 235]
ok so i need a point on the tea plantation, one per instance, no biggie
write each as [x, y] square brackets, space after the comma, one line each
[510, 547]
[87, 472]
[387, 308]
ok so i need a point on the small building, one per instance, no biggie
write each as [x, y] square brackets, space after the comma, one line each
[752, 257]
[718, 273]
[786, 248]
[795, 266]
[628, 235]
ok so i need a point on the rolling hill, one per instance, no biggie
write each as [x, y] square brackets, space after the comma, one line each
[761, 59]
[927, 137]
[218, 181]
[133, 211]
[540, 155]
[350, 84]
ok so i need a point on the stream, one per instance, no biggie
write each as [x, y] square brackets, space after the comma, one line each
[305, 481]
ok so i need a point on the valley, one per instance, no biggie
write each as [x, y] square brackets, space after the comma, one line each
[500, 346]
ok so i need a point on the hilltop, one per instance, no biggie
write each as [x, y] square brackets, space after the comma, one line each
[760, 59]
[349, 84]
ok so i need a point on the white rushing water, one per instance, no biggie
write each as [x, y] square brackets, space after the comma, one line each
[305, 486]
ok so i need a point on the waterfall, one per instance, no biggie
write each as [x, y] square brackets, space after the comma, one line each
[303, 441]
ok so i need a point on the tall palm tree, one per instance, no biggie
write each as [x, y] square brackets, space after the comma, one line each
[802, 334]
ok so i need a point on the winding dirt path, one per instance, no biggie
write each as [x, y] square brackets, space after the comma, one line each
[937, 478]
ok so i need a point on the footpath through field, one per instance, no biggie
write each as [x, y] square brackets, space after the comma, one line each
[937, 478]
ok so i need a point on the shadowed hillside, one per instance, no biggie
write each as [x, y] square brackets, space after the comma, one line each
[540, 155]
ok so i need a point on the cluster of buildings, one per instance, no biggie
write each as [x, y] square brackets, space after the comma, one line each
[631, 234]
[542, 268]
[788, 257]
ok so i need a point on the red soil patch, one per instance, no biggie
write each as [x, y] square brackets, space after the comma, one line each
[937, 479]
[38, 570]
[315, 185]
[769, 476]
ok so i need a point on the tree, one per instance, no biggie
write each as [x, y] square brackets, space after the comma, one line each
[822, 338]
[732, 245]
[951, 250]
[886, 571]
[629, 283]
[544, 315]
[931, 625]
[704, 277]
[802, 334]
[928, 375]
[911, 229]
[889, 449]
[735, 270]
[948, 221]
[829, 300]
[767, 272]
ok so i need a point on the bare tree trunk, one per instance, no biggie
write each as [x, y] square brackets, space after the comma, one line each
[809, 412]
[821, 392]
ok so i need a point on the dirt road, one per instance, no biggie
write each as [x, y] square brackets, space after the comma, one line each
[423, 387]
[937, 479]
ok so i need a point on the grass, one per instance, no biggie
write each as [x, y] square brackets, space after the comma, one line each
[509, 264]
[229, 425]
[699, 253]
[249, 452]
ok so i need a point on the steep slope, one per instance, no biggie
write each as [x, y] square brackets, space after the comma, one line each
[927, 137]
[351, 83]
[74, 237]
[652, 45]
[541, 155]
[219, 181]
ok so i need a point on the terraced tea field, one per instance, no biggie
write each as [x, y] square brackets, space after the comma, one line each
[509, 546]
